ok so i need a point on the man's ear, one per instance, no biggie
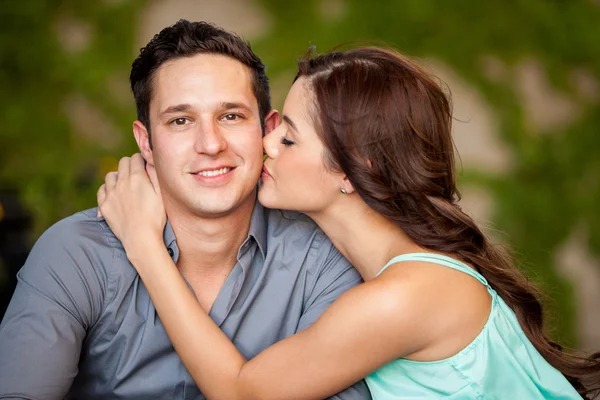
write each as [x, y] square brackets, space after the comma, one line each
[142, 138]
[272, 121]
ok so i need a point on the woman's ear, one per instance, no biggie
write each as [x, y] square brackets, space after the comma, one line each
[346, 186]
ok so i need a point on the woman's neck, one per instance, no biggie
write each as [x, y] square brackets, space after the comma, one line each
[367, 239]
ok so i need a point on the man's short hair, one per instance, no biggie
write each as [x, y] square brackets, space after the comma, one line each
[186, 39]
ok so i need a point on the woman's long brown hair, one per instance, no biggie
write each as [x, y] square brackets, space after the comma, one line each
[373, 104]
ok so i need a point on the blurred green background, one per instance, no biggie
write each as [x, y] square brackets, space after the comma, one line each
[523, 75]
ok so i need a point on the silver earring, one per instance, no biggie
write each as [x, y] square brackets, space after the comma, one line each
[343, 191]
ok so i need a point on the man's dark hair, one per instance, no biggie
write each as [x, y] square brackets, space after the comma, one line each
[186, 39]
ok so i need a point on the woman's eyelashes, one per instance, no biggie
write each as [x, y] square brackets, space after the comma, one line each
[286, 142]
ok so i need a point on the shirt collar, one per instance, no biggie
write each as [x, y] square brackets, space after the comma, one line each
[258, 227]
[169, 234]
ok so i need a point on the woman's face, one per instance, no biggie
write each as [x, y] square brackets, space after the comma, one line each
[295, 176]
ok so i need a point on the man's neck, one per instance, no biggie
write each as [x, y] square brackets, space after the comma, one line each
[209, 245]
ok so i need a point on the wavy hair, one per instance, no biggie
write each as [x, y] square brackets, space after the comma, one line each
[374, 104]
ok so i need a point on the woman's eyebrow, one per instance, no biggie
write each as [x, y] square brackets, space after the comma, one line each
[290, 122]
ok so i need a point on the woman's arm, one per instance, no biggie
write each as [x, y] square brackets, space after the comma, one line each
[361, 331]
[364, 329]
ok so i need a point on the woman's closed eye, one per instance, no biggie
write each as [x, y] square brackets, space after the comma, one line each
[286, 142]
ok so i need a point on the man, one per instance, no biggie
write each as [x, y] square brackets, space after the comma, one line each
[81, 324]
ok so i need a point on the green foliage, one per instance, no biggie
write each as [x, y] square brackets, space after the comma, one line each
[553, 187]
[56, 168]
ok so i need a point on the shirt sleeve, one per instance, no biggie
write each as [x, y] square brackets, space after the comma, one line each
[334, 276]
[59, 295]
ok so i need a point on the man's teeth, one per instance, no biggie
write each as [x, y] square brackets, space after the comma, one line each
[215, 172]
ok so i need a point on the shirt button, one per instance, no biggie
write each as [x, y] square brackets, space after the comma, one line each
[171, 252]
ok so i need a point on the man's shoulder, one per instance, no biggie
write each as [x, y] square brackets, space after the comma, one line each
[83, 228]
[75, 242]
[291, 221]
[76, 255]
[295, 227]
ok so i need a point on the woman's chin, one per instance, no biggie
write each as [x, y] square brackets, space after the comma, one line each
[267, 198]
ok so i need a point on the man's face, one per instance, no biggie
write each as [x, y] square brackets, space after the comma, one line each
[206, 134]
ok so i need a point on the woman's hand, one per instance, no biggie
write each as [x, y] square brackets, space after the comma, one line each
[131, 203]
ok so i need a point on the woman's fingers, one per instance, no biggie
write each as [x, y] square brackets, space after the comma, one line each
[153, 178]
[124, 166]
[129, 204]
[137, 163]
[100, 197]
[110, 180]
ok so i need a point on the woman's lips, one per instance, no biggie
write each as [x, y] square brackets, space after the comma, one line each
[265, 173]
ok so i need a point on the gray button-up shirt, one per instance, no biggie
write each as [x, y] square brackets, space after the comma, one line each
[81, 324]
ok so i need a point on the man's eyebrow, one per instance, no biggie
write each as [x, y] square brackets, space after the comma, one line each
[290, 122]
[175, 108]
[227, 105]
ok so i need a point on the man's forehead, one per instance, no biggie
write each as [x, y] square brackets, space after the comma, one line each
[210, 67]
[204, 78]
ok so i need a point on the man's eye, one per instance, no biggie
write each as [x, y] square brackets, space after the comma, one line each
[231, 117]
[179, 121]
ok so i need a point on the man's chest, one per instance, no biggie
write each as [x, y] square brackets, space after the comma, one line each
[128, 354]
[206, 292]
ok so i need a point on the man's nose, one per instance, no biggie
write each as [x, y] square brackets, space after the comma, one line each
[210, 140]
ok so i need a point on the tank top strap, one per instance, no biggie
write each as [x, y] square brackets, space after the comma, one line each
[437, 259]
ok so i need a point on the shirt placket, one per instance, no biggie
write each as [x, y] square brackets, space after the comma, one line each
[233, 284]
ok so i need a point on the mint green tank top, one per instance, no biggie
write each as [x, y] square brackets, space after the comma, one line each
[500, 363]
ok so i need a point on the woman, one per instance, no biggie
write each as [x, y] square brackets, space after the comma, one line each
[442, 312]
